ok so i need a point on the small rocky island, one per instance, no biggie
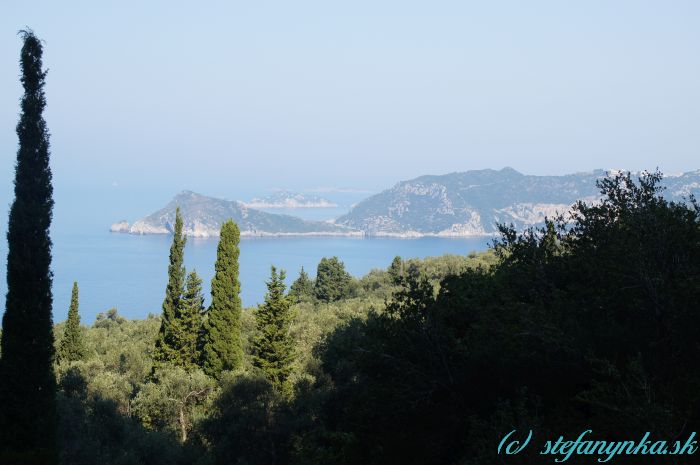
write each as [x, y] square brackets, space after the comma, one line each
[203, 216]
[120, 227]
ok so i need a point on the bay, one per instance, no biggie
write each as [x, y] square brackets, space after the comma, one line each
[129, 272]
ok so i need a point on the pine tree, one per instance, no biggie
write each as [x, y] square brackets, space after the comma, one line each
[273, 347]
[27, 381]
[72, 347]
[222, 347]
[168, 335]
[396, 270]
[332, 281]
[302, 288]
[189, 322]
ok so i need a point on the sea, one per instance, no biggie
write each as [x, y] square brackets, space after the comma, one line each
[129, 272]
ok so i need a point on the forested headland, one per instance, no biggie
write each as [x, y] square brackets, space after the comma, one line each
[590, 322]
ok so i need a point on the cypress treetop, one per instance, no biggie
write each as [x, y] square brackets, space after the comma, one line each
[273, 348]
[221, 336]
[189, 321]
[168, 335]
[302, 288]
[72, 347]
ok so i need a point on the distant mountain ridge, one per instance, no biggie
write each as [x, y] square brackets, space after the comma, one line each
[471, 203]
[202, 217]
[460, 204]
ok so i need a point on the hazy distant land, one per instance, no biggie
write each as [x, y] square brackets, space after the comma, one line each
[465, 204]
[287, 199]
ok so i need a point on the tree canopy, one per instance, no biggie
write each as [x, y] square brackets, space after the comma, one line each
[332, 280]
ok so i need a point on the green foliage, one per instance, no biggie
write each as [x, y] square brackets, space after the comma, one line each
[313, 322]
[115, 409]
[590, 322]
[436, 269]
[72, 347]
[169, 334]
[250, 423]
[221, 338]
[102, 400]
[302, 289]
[175, 400]
[332, 281]
[273, 346]
[189, 323]
[27, 381]
[109, 319]
[94, 429]
[118, 358]
[411, 301]
[396, 269]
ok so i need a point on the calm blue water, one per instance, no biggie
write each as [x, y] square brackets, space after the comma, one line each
[130, 272]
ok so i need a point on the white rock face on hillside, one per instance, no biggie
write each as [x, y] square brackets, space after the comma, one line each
[530, 214]
[473, 203]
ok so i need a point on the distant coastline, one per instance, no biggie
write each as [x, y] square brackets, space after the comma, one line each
[461, 205]
[119, 228]
[290, 200]
[289, 204]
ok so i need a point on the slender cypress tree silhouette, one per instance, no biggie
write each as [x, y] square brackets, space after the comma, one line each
[72, 347]
[27, 382]
[166, 344]
[222, 348]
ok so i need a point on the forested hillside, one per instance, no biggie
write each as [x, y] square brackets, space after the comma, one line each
[113, 410]
[584, 325]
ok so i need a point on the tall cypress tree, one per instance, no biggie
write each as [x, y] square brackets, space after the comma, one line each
[168, 335]
[189, 322]
[273, 347]
[72, 347]
[27, 382]
[221, 337]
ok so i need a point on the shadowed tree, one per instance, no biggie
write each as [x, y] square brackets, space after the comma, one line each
[396, 270]
[168, 335]
[27, 382]
[72, 347]
[221, 336]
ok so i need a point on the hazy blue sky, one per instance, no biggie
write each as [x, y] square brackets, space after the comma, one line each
[229, 97]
